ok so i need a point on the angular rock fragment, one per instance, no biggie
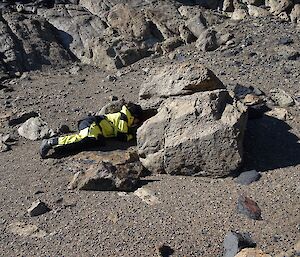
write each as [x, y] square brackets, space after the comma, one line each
[248, 207]
[4, 147]
[247, 177]
[105, 176]
[38, 208]
[146, 195]
[278, 113]
[234, 242]
[207, 41]
[281, 98]
[35, 129]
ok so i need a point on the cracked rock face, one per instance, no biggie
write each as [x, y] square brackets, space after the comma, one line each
[28, 41]
[193, 133]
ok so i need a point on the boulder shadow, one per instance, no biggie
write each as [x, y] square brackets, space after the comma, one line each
[269, 145]
[110, 144]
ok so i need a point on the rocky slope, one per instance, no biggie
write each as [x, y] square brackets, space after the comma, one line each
[190, 215]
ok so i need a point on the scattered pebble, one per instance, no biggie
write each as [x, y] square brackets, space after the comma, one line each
[247, 177]
[38, 208]
[248, 207]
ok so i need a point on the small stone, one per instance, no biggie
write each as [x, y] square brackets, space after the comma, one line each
[111, 78]
[4, 147]
[38, 208]
[281, 98]
[248, 207]
[248, 177]
[164, 250]
[235, 241]
[147, 196]
[74, 70]
[146, 70]
[285, 41]
[113, 98]
[252, 99]
[5, 138]
[278, 113]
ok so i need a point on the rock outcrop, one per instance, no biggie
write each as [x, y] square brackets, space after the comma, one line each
[28, 41]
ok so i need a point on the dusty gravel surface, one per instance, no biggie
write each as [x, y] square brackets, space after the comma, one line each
[193, 214]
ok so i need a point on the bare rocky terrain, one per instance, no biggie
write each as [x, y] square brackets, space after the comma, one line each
[189, 214]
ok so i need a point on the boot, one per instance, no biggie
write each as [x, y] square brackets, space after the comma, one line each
[46, 145]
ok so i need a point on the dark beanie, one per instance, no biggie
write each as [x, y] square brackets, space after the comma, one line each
[135, 110]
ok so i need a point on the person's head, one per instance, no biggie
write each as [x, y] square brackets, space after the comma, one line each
[136, 111]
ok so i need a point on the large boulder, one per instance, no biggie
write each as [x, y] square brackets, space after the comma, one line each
[176, 80]
[28, 41]
[199, 134]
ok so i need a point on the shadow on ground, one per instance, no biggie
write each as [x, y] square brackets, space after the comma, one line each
[269, 145]
[109, 146]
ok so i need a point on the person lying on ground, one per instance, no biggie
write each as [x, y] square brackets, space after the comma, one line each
[93, 129]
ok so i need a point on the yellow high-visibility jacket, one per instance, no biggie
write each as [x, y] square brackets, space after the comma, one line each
[117, 124]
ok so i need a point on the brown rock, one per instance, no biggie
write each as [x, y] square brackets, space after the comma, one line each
[252, 252]
[248, 207]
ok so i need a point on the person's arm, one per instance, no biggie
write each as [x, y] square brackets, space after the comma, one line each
[123, 131]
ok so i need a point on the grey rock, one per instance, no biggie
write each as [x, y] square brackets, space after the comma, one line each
[285, 41]
[256, 11]
[199, 134]
[175, 80]
[111, 78]
[28, 41]
[281, 98]
[35, 129]
[75, 69]
[279, 6]
[247, 177]
[295, 14]
[249, 208]
[235, 241]
[4, 147]
[207, 41]
[196, 24]
[38, 208]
